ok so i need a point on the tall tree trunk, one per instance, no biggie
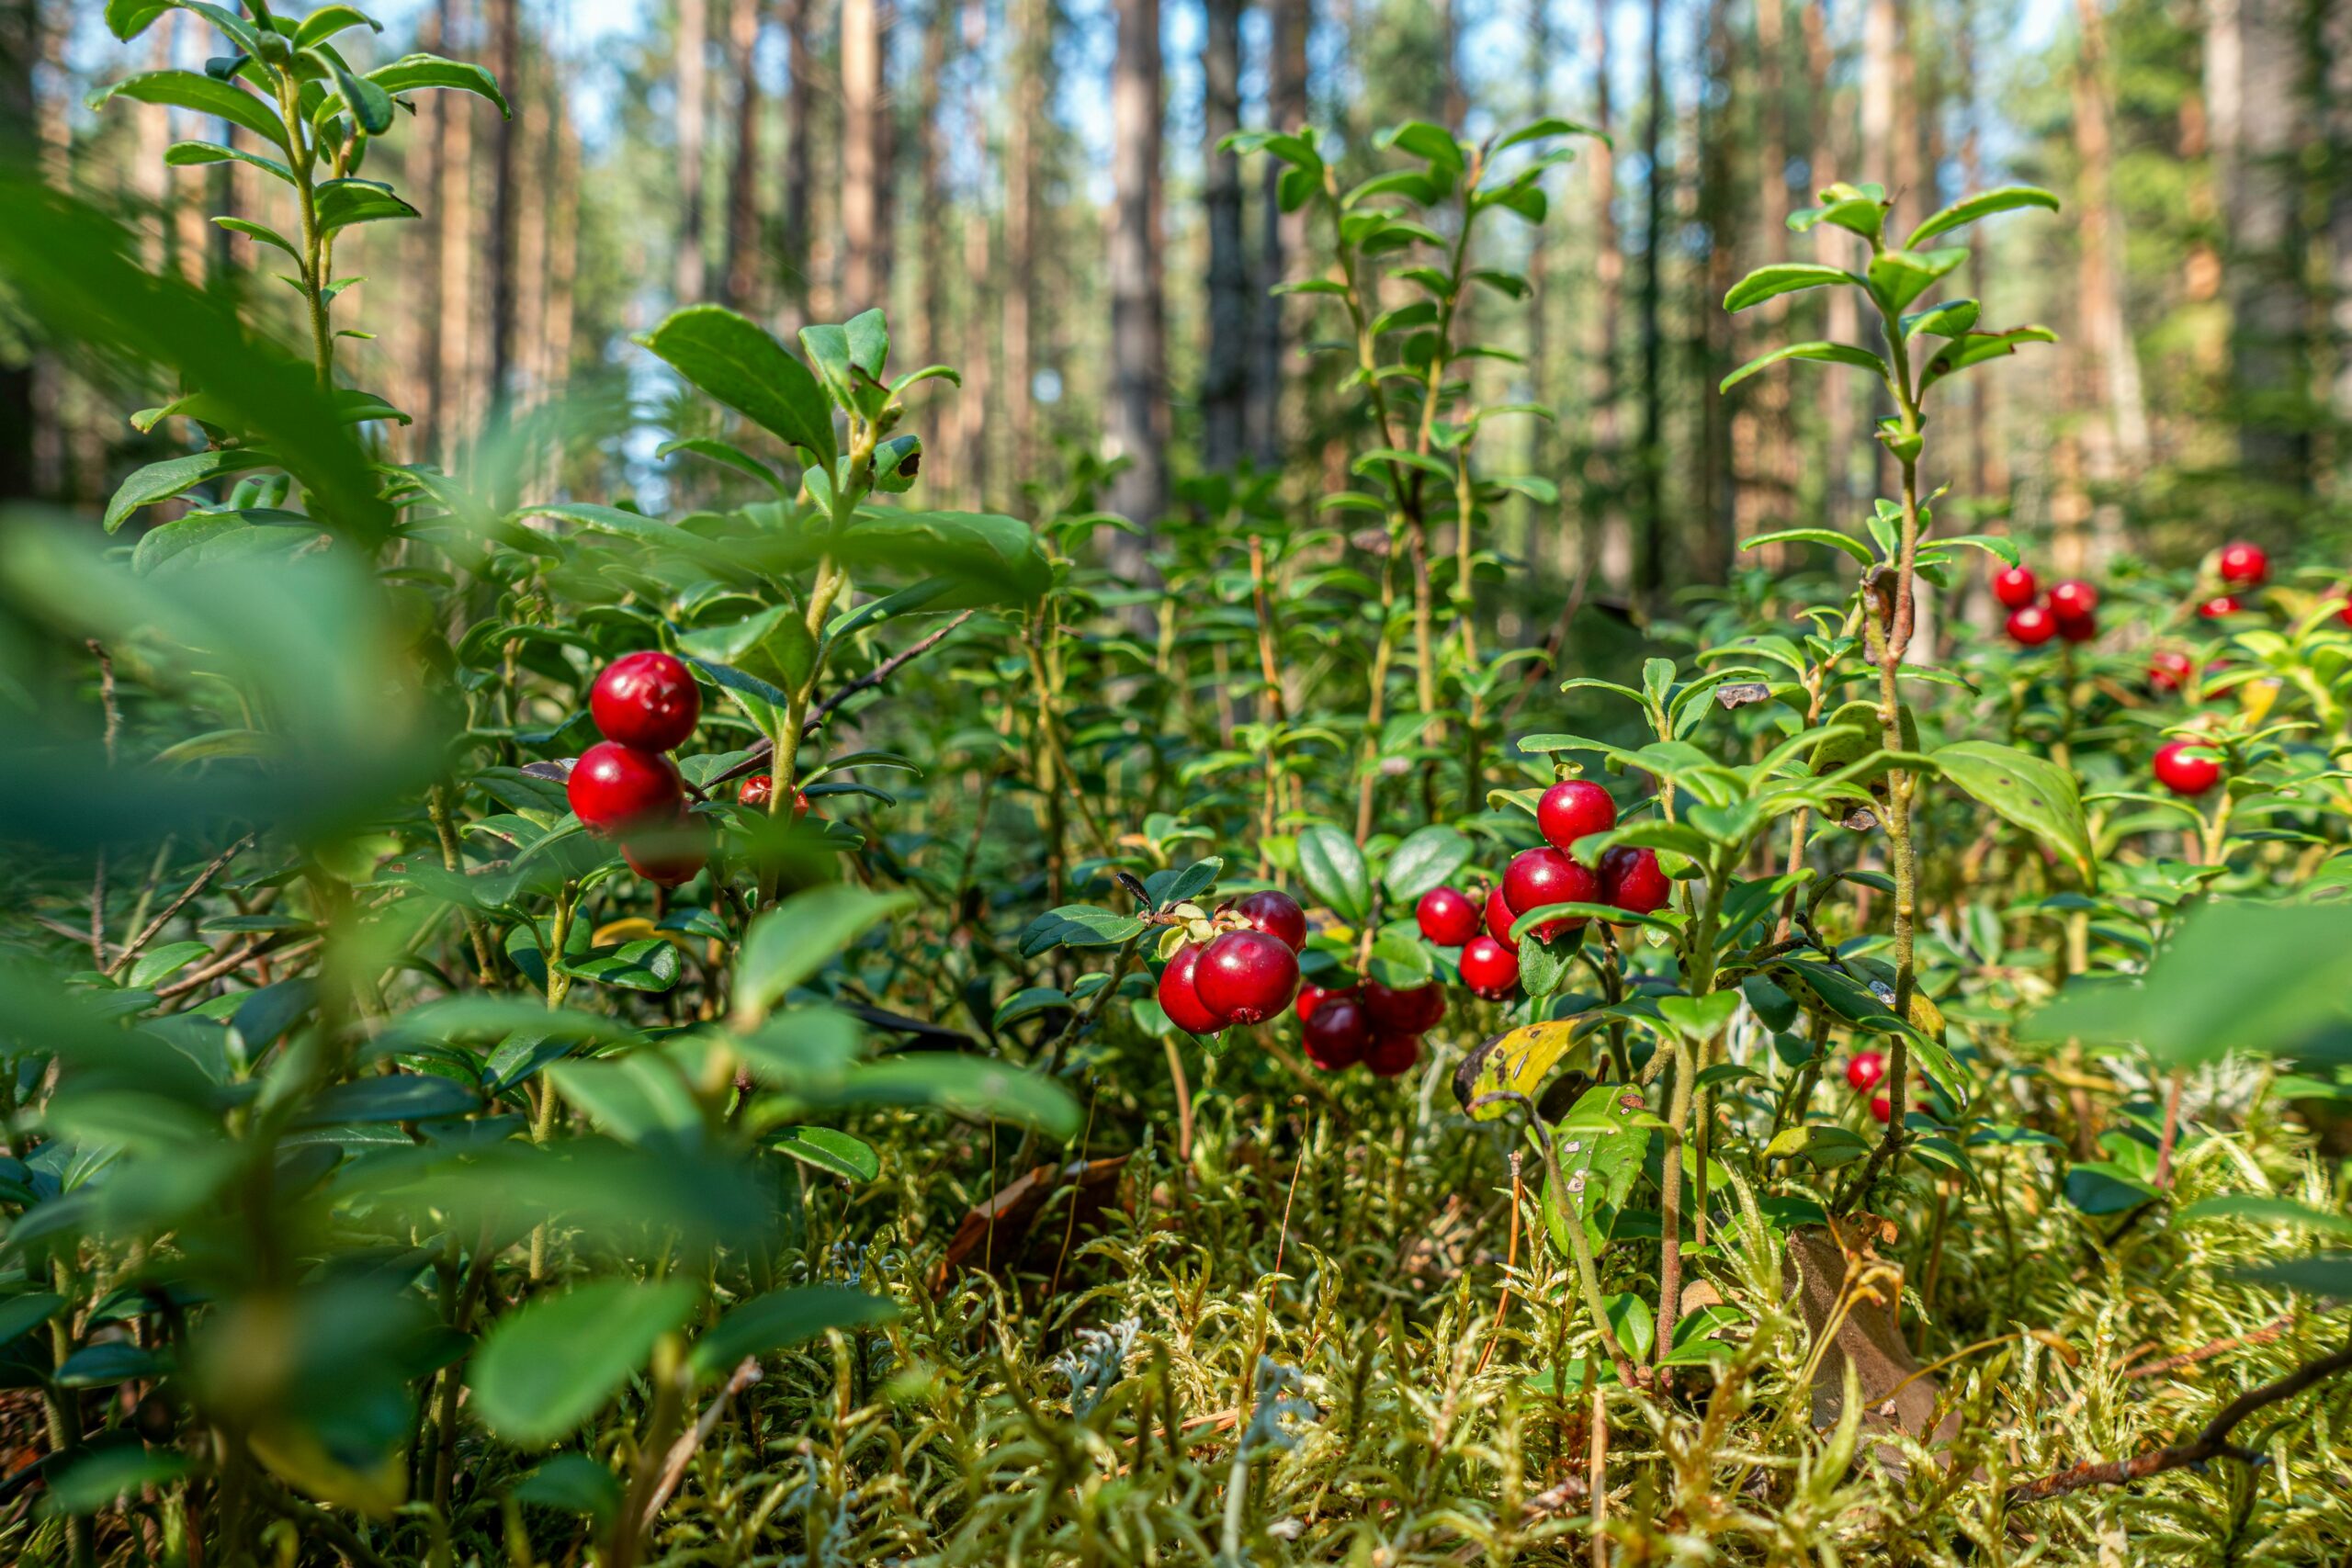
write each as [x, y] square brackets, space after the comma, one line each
[1833, 247]
[506, 63]
[1712, 195]
[1137, 423]
[564, 250]
[742, 176]
[1281, 234]
[1224, 372]
[1452, 105]
[1538, 273]
[533, 222]
[693, 44]
[2115, 421]
[2252, 57]
[861, 153]
[799, 86]
[1605, 476]
[972, 408]
[1030, 44]
[1651, 459]
[1762, 428]
[453, 375]
[930, 326]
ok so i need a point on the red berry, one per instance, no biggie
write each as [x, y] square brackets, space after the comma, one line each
[757, 791]
[1404, 1012]
[2343, 611]
[2243, 564]
[674, 854]
[1499, 918]
[2188, 767]
[2032, 626]
[615, 786]
[2169, 670]
[1537, 877]
[1179, 998]
[1447, 916]
[1276, 914]
[2015, 587]
[1391, 1054]
[2220, 604]
[1630, 879]
[1313, 997]
[1572, 809]
[1247, 976]
[1865, 1070]
[1336, 1034]
[1489, 968]
[1881, 1107]
[647, 700]
[2078, 629]
[2073, 600]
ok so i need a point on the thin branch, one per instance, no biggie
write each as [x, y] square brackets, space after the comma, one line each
[681, 1452]
[2275, 1329]
[2212, 1443]
[203, 879]
[761, 750]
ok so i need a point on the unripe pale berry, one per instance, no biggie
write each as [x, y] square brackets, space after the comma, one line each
[1247, 976]
[1447, 916]
[2032, 626]
[2188, 767]
[615, 786]
[1572, 807]
[1537, 877]
[647, 700]
[1179, 998]
[1336, 1034]
[1629, 879]
[2015, 587]
[1276, 914]
[2243, 565]
[1389, 1055]
[1489, 968]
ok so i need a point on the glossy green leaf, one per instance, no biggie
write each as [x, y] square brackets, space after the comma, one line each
[549, 1366]
[2031, 791]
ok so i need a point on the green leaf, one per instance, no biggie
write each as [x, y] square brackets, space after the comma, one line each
[851, 1158]
[789, 943]
[1782, 278]
[343, 203]
[726, 452]
[571, 1484]
[177, 476]
[1078, 925]
[1857, 210]
[774, 646]
[1334, 872]
[1897, 277]
[367, 103]
[1949, 319]
[650, 964]
[1830, 352]
[2261, 1208]
[1426, 858]
[2101, 1187]
[260, 232]
[195, 154]
[398, 1097]
[1828, 536]
[201, 95]
[22, 1314]
[1983, 204]
[328, 20]
[1975, 349]
[100, 1477]
[2329, 1274]
[742, 363]
[782, 1319]
[964, 1085]
[1536, 130]
[547, 1368]
[412, 72]
[2031, 791]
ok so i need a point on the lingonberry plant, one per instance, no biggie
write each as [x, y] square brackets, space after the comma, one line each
[799, 1026]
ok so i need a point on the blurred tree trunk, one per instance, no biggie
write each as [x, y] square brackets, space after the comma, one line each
[2253, 61]
[1032, 53]
[1714, 195]
[20, 46]
[694, 108]
[1538, 273]
[861, 44]
[743, 282]
[1281, 234]
[1887, 157]
[507, 65]
[1137, 414]
[536, 119]
[931, 325]
[1605, 478]
[1451, 106]
[150, 177]
[421, 154]
[1224, 370]
[799, 83]
[972, 408]
[453, 375]
[563, 253]
[2115, 420]
[1763, 441]
[1650, 460]
[1833, 247]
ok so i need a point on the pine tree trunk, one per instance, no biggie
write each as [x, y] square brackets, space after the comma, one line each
[973, 408]
[861, 154]
[931, 324]
[742, 281]
[1225, 374]
[1833, 247]
[1281, 234]
[688, 283]
[1762, 428]
[799, 85]
[1137, 421]
[453, 412]
[1612, 540]
[507, 65]
[1651, 459]
[1030, 44]
[2115, 421]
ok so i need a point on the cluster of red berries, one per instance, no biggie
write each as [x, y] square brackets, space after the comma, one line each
[2071, 610]
[1628, 878]
[2239, 565]
[644, 704]
[1244, 976]
[1377, 1025]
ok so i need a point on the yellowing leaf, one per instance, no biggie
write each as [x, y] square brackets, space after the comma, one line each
[1519, 1060]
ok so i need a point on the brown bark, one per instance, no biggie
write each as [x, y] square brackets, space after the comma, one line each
[1281, 234]
[861, 47]
[693, 121]
[507, 65]
[1761, 435]
[1650, 460]
[743, 279]
[1833, 247]
[972, 409]
[2113, 418]
[799, 85]
[453, 409]
[1030, 44]
[1137, 414]
[1224, 373]
[1605, 479]
[931, 323]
